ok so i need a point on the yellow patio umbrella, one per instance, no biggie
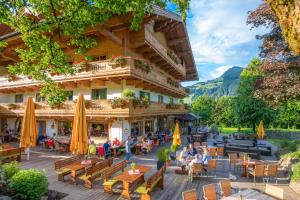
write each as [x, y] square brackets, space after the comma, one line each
[176, 135]
[29, 128]
[261, 130]
[79, 141]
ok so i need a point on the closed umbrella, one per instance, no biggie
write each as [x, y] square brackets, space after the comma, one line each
[79, 141]
[176, 135]
[29, 128]
[261, 131]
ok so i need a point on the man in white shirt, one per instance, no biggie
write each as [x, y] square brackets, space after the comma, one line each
[197, 159]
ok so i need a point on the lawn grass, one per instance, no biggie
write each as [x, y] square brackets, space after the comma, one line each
[230, 130]
[277, 142]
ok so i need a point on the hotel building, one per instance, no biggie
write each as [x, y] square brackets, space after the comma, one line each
[152, 62]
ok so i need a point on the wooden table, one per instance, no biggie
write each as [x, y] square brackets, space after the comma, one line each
[78, 168]
[115, 150]
[129, 180]
[249, 194]
[252, 163]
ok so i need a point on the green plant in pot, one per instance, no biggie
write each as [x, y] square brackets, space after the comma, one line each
[173, 148]
[128, 93]
[162, 157]
[133, 166]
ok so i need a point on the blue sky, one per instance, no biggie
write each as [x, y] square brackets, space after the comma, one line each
[219, 35]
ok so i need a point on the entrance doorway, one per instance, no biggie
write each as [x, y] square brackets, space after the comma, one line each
[41, 125]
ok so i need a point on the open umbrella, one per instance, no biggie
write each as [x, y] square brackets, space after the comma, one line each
[79, 141]
[29, 128]
[261, 131]
[176, 135]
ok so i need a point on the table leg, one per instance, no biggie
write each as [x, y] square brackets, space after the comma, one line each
[115, 152]
[125, 193]
[73, 177]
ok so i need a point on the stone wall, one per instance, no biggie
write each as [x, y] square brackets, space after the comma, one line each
[278, 134]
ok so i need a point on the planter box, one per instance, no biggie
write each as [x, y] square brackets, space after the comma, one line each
[295, 186]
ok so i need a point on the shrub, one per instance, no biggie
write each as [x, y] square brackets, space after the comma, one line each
[10, 169]
[174, 148]
[29, 184]
[128, 93]
[163, 154]
[296, 172]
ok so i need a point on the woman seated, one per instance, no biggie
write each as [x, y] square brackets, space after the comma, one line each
[116, 142]
[145, 146]
[206, 157]
[183, 158]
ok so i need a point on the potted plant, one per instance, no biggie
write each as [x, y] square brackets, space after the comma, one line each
[133, 166]
[174, 148]
[162, 157]
[128, 93]
[145, 101]
[11, 106]
[117, 61]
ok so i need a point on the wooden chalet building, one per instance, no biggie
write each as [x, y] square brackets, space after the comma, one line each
[154, 60]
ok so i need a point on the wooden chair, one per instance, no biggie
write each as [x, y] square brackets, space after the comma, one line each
[61, 169]
[233, 160]
[212, 166]
[190, 195]
[212, 151]
[220, 152]
[274, 191]
[225, 186]
[196, 171]
[157, 179]
[258, 172]
[10, 154]
[109, 182]
[271, 172]
[209, 192]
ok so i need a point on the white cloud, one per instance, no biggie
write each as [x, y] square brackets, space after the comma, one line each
[219, 71]
[217, 27]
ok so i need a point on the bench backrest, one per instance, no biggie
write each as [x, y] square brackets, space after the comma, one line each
[97, 167]
[120, 166]
[12, 151]
[152, 179]
[62, 163]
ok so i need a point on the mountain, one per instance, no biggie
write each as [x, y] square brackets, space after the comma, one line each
[224, 85]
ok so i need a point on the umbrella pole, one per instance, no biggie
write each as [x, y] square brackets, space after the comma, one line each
[28, 150]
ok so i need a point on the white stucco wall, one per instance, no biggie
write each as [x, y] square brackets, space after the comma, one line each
[120, 129]
[49, 129]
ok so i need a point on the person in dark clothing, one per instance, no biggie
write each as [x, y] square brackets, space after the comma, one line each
[192, 150]
[189, 130]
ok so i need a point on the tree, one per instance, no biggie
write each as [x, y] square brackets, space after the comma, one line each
[223, 113]
[289, 114]
[288, 13]
[248, 108]
[204, 107]
[280, 67]
[47, 27]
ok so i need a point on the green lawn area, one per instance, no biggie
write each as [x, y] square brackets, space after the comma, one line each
[277, 142]
[230, 130]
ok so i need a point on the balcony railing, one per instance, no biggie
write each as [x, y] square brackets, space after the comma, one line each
[101, 70]
[99, 108]
[167, 54]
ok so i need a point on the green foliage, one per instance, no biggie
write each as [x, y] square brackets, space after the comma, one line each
[289, 114]
[163, 154]
[29, 184]
[53, 95]
[128, 93]
[174, 148]
[204, 107]
[296, 172]
[10, 169]
[249, 109]
[43, 25]
[224, 112]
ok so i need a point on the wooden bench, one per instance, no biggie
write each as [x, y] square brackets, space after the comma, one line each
[156, 179]
[109, 182]
[94, 172]
[60, 165]
[8, 154]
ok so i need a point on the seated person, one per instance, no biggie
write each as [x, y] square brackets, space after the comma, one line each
[117, 142]
[106, 147]
[206, 157]
[192, 150]
[145, 146]
[92, 148]
[197, 159]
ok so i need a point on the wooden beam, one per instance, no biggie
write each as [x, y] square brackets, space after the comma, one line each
[70, 84]
[111, 36]
[85, 83]
[183, 53]
[175, 41]
[99, 82]
[172, 27]
[159, 26]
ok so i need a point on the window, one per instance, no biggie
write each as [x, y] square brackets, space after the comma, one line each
[149, 126]
[171, 100]
[99, 94]
[70, 95]
[19, 98]
[39, 98]
[136, 129]
[160, 99]
[99, 58]
[144, 94]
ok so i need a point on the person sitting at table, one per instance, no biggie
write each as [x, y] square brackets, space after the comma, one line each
[145, 146]
[106, 147]
[192, 150]
[117, 142]
[197, 159]
[206, 157]
[92, 148]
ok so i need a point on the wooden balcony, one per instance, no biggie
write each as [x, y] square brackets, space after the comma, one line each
[147, 44]
[94, 108]
[100, 72]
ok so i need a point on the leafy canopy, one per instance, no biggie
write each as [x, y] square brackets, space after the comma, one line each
[204, 107]
[46, 26]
